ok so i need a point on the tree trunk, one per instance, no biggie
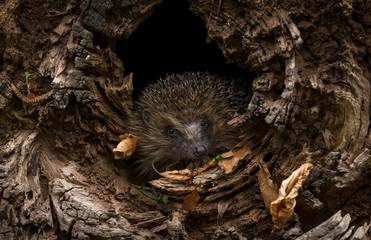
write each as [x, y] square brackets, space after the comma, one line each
[310, 103]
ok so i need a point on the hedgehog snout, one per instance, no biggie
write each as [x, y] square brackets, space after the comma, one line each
[199, 149]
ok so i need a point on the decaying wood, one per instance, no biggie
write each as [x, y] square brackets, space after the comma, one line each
[310, 103]
[337, 227]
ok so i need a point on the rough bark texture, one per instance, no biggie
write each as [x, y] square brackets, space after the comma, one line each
[311, 102]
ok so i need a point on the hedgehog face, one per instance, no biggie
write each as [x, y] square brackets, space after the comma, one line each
[183, 139]
[190, 143]
[181, 122]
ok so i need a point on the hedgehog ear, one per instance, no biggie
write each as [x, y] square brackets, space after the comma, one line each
[145, 116]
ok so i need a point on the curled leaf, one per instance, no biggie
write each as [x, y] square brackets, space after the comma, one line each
[283, 207]
[191, 200]
[268, 189]
[178, 175]
[229, 163]
[126, 147]
[233, 157]
[185, 174]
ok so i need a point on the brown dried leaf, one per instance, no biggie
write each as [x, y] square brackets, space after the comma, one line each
[126, 147]
[207, 165]
[233, 157]
[178, 175]
[229, 163]
[185, 174]
[191, 200]
[268, 189]
[283, 207]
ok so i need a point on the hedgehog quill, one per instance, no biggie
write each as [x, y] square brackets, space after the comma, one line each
[181, 121]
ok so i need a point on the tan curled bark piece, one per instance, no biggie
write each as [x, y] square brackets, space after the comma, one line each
[126, 147]
[283, 207]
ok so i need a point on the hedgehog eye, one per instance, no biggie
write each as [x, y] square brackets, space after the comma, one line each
[171, 131]
[203, 123]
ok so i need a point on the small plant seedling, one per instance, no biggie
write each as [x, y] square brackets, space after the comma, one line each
[348, 68]
[30, 95]
[218, 158]
[149, 193]
[165, 199]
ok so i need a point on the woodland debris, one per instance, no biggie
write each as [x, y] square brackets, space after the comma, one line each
[268, 189]
[230, 161]
[78, 211]
[30, 98]
[126, 147]
[172, 187]
[352, 172]
[222, 207]
[336, 227]
[191, 200]
[328, 138]
[233, 157]
[183, 175]
[176, 226]
[283, 207]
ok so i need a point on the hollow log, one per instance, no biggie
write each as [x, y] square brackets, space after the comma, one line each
[309, 68]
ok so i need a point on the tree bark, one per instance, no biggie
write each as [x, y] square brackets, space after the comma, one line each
[310, 103]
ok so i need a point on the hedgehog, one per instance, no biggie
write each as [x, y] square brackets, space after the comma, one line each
[181, 121]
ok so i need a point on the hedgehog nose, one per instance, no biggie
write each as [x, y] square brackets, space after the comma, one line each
[199, 149]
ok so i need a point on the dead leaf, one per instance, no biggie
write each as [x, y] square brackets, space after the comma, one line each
[228, 164]
[191, 200]
[185, 174]
[233, 157]
[268, 189]
[178, 175]
[283, 207]
[126, 147]
[222, 207]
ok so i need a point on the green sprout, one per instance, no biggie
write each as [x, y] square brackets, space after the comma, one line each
[27, 74]
[30, 95]
[149, 193]
[218, 158]
[165, 199]
[348, 68]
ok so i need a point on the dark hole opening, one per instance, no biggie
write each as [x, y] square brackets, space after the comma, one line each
[172, 40]
[267, 157]
[29, 195]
